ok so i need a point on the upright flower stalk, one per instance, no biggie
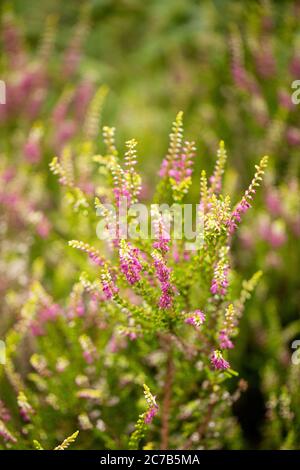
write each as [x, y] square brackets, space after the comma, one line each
[163, 273]
[246, 200]
[129, 262]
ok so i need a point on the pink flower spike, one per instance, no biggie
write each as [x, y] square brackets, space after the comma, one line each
[108, 285]
[129, 262]
[225, 342]
[163, 273]
[161, 232]
[218, 361]
[150, 415]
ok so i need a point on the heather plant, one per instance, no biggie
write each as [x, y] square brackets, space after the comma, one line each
[49, 104]
[138, 342]
[147, 312]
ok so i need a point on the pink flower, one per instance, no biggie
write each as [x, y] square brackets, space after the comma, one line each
[96, 259]
[161, 231]
[225, 342]
[195, 318]
[178, 167]
[108, 290]
[122, 195]
[166, 299]
[218, 361]
[162, 244]
[88, 357]
[131, 335]
[49, 313]
[236, 217]
[80, 309]
[149, 415]
[129, 262]
[108, 285]
[219, 286]
[24, 415]
[163, 275]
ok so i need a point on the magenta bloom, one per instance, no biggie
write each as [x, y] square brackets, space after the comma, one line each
[236, 217]
[109, 289]
[161, 231]
[24, 415]
[218, 361]
[163, 275]
[131, 335]
[163, 171]
[182, 167]
[108, 285]
[166, 299]
[129, 263]
[219, 286]
[88, 357]
[50, 313]
[150, 414]
[195, 318]
[162, 244]
[225, 342]
[80, 309]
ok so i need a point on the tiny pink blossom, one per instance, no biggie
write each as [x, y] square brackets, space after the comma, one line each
[225, 342]
[130, 264]
[218, 361]
[195, 318]
[163, 275]
[150, 414]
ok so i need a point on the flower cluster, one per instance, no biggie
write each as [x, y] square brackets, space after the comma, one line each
[220, 283]
[246, 200]
[129, 262]
[108, 285]
[218, 361]
[163, 273]
[195, 318]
